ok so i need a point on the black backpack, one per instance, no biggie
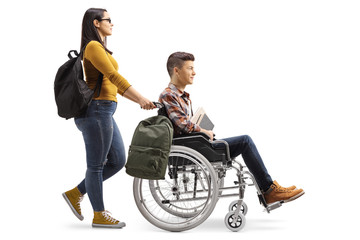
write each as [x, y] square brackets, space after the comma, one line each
[72, 95]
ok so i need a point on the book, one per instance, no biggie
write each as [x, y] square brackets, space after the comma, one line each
[202, 119]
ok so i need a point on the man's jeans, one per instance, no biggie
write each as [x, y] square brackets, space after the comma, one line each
[105, 153]
[245, 146]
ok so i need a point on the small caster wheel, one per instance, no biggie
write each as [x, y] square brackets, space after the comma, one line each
[234, 204]
[233, 225]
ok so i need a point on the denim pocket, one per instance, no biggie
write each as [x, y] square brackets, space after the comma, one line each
[105, 107]
[79, 122]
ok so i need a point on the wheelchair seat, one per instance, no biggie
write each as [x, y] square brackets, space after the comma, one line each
[200, 142]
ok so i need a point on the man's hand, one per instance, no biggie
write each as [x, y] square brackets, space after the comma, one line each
[209, 133]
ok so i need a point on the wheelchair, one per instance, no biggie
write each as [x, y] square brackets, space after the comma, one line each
[193, 184]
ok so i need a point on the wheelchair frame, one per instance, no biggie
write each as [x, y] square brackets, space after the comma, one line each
[194, 183]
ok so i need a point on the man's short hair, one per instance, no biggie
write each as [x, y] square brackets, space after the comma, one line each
[177, 59]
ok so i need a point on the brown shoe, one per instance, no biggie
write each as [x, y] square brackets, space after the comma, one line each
[289, 188]
[277, 193]
[73, 199]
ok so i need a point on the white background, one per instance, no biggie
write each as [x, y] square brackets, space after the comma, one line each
[283, 72]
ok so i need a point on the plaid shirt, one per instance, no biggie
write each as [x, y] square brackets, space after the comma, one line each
[178, 108]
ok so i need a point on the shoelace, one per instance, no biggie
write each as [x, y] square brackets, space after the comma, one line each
[80, 199]
[109, 218]
[282, 189]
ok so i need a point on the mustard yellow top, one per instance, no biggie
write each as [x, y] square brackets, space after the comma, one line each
[97, 60]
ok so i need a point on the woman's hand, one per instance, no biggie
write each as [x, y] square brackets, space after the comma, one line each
[146, 104]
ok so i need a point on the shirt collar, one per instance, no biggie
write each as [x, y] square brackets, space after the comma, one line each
[178, 92]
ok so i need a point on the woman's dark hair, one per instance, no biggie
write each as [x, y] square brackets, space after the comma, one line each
[89, 31]
[177, 59]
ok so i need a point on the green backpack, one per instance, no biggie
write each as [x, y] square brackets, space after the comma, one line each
[150, 148]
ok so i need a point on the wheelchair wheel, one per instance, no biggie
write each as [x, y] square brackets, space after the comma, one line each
[185, 198]
[235, 224]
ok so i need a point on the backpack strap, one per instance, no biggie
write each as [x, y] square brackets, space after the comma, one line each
[97, 89]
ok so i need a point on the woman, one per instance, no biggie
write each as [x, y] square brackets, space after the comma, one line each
[105, 153]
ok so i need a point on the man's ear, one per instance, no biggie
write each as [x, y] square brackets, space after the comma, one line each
[96, 23]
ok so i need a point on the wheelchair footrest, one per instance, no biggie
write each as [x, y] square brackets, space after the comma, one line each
[273, 206]
[262, 200]
[269, 207]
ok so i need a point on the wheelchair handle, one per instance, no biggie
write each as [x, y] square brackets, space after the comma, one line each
[158, 105]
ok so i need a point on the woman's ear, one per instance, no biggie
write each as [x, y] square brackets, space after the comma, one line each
[96, 23]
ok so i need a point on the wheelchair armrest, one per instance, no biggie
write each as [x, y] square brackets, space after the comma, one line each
[192, 134]
[227, 148]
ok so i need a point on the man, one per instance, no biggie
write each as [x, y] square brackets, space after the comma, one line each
[180, 66]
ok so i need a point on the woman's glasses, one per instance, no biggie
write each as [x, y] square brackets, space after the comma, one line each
[107, 19]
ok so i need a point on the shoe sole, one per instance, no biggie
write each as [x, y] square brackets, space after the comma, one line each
[72, 208]
[294, 197]
[119, 225]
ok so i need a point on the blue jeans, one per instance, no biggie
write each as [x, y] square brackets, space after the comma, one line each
[105, 152]
[245, 146]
